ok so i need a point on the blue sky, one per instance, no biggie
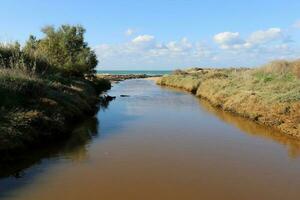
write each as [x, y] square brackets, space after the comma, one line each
[167, 34]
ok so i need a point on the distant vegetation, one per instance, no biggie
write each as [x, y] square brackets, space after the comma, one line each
[45, 85]
[62, 51]
[269, 95]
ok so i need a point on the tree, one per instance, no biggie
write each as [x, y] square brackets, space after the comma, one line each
[65, 49]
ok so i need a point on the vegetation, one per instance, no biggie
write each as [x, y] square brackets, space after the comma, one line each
[269, 95]
[61, 50]
[45, 86]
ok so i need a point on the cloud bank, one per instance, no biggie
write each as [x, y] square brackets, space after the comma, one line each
[222, 49]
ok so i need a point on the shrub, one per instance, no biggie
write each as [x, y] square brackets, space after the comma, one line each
[101, 84]
[62, 50]
[65, 49]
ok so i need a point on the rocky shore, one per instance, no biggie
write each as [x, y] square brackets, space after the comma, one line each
[117, 78]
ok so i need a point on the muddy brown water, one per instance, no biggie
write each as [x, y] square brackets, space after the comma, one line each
[160, 144]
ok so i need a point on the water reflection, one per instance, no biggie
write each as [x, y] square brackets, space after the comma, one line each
[254, 129]
[73, 149]
[247, 126]
[160, 144]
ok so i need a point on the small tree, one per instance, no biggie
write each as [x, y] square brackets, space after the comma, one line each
[65, 49]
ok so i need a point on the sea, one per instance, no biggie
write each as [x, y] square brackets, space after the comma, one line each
[136, 72]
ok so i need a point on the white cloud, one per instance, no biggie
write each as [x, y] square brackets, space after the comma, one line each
[263, 36]
[232, 40]
[143, 39]
[179, 46]
[145, 51]
[228, 40]
[129, 32]
[227, 37]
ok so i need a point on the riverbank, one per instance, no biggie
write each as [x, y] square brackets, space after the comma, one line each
[191, 141]
[269, 95]
[37, 110]
[46, 86]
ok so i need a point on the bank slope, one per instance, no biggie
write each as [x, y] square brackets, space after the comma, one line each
[269, 95]
[35, 110]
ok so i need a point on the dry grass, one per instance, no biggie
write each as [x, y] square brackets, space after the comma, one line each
[187, 82]
[283, 67]
[269, 95]
[34, 108]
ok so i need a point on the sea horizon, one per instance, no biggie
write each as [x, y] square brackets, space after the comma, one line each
[150, 100]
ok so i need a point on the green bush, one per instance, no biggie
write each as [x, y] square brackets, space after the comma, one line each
[101, 84]
[62, 50]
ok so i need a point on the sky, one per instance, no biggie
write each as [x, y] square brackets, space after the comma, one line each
[166, 34]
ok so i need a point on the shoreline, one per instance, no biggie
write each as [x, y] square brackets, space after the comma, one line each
[215, 87]
[46, 89]
[51, 117]
[41, 127]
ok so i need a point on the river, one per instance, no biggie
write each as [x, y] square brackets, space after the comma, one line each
[159, 144]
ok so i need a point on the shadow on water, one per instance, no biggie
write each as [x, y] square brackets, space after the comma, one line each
[254, 129]
[20, 168]
[71, 147]
[74, 149]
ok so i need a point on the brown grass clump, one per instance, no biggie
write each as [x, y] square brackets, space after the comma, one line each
[283, 67]
[186, 82]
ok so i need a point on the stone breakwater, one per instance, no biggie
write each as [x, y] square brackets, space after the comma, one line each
[117, 78]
